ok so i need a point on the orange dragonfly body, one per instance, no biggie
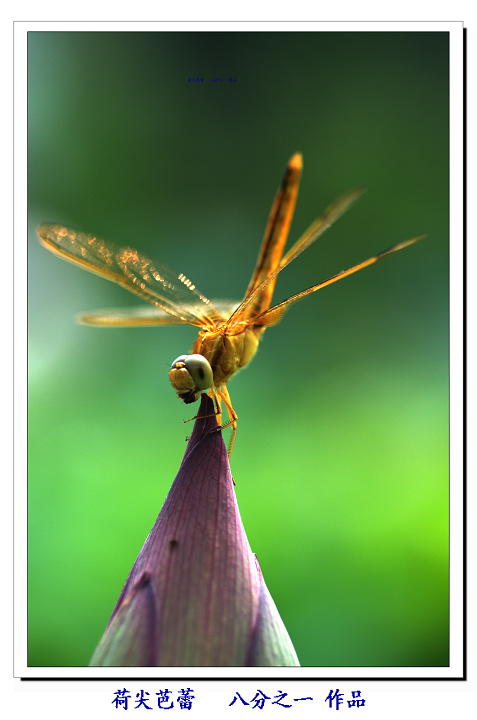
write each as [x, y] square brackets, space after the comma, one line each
[229, 334]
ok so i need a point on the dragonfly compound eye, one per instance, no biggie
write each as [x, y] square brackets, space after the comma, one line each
[200, 370]
[179, 362]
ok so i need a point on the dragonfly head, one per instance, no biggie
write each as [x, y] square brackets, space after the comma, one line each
[190, 375]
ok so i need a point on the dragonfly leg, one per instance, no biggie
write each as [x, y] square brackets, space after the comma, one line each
[223, 394]
[219, 394]
[217, 413]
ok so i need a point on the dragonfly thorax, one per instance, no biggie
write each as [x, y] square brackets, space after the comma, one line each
[227, 353]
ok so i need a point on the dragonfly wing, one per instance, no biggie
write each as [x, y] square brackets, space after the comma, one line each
[275, 237]
[156, 283]
[316, 229]
[225, 308]
[275, 314]
[129, 317]
[144, 315]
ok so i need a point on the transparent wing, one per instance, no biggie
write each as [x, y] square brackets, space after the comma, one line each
[274, 314]
[129, 317]
[275, 237]
[144, 315]
[167, 290]
[316, 229]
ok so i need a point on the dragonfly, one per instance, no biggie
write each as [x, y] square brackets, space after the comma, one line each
[229, 333]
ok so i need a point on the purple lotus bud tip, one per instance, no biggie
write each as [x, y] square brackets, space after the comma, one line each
[195, 595]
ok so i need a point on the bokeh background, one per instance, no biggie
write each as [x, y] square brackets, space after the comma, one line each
[341, 457]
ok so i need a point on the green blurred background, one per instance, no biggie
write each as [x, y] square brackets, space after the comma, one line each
[341, 457]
